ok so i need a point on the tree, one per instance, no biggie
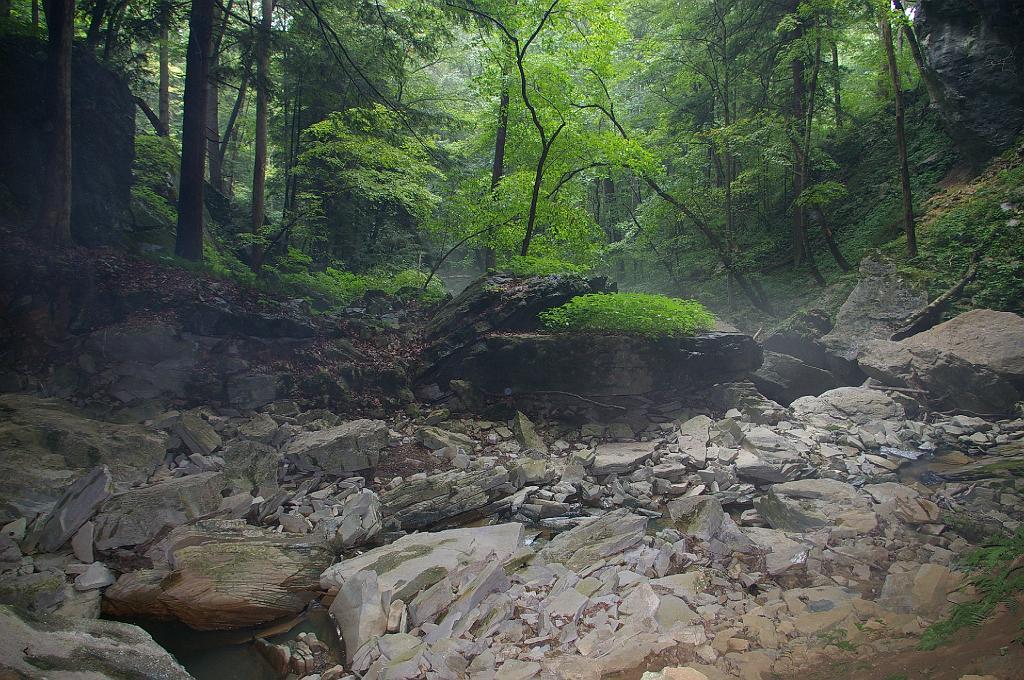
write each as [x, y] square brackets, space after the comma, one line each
[189, 241]
[901, 135]
[55, 212]
[259, 174]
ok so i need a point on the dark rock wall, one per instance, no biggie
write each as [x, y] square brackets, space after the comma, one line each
[103, 141]
[974, 50]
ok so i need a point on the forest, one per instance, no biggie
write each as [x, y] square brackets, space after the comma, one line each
[512, 339]
[740, 151]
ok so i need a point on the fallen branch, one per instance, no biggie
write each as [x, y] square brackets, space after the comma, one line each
[154, 119]
[564, 394]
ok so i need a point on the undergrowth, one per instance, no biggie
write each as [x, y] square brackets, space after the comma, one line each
[998, 577]
[530, 265]
[630, 314]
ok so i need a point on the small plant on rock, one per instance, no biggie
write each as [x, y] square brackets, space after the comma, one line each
[630, 314]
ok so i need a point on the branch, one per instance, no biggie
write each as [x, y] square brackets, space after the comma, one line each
[154, 119]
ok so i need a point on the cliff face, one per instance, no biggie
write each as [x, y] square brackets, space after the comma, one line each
[974, 54]
[103, 141]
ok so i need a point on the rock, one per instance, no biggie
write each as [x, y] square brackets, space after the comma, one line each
[677, 673]
[251, 390]
[600, 537]
[45, 443]
[248, 464]
[974, 361]
[77, 506]
[407, 567]
[435, 438]
[784, 378]
[221, 574]
[924, 592]
[60, 647]
[700, 516]
[972, 71]
[526, 433]
[95, 577]
[138, 515]
[620, 458]
[358, 523]
[440, 498]
[197, 434]
[15, 529]
[879, 304]
[783, 553]
[605, 365]
[82, 543]
[351, 447]
[808, 504]
[42, 591]
[769, 466]
[844, 405]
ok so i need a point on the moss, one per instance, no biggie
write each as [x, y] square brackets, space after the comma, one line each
[630, 314]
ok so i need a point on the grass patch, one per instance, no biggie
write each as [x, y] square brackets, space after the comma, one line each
[630, 314]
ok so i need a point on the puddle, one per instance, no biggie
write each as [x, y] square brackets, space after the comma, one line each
[231, 654]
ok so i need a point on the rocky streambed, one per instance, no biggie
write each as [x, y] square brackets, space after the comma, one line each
[739, 541]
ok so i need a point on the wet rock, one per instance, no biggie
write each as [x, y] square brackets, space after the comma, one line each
[351, 447]
[52, 647]
[138, 515]
[600, 537]
[77, 506]
[221, 574]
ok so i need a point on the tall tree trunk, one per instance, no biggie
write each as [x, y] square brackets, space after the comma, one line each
[500, 137]
[164, 104]
[35, 13]
[213, 120]
[189, 243]
[5, 9]
[259, 172]
[92, 34]
[233, 117]
[798, 241]
[54, 221]
[113, 25]
[837, 103]
[901, 139]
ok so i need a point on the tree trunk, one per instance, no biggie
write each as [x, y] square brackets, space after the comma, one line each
[213, 126]
[35, 13]
[54, 221]
[538, 179]
[837, 108]
[164, 104]
[798, 241]
[259, 173]
[189, 244]
[901, 140]
[5, 9]
[92, 34]
[500, 137]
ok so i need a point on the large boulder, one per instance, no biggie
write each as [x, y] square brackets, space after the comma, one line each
[45, 444]
[603, 365]
[443, 498]
[221, 574]
[52, 647]
[974, 362]
[784, 378]
[879, 304]
[487, 336]
[351, 447]
[974, 69]
[846, 405]
[102, 140]
[139, 515]
[596, 539]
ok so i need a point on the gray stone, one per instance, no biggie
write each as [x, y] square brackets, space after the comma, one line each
[526, 433]
[620, 458]
[784, 378]
[138, 515]
[95, 577]
[435, 438]
[81, 542]
[197, 434]
[36, 648]
[600, 537]
[438, 499]
[351, 447]
[359, 611]
[858, 405]
[78, 504]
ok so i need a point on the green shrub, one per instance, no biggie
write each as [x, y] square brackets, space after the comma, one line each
[631, 314]
[335, 288]
[539, 266]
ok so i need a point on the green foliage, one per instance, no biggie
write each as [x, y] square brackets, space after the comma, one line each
[531, 265]
[630, 314]
[334, 288]
[998, 579]
[153, 173]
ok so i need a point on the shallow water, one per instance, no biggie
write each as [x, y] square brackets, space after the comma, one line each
[938, 464]
[232, 655]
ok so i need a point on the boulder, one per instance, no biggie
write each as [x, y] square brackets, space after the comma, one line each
[351, 447]
[974, 361]
[974, 71]
[52, 647]
[441, 498]
[197, 434]
[46, 443]
[879, 304]
[604, 365]
[435, 438]
[809, 504]
[620, 458]
[358, 522]
[250, 463]
[221, 574]
[139, 515]
[596, 539]
[76, 507]
[368, 583]
[784, 378]
[845, 405]
[526, 433]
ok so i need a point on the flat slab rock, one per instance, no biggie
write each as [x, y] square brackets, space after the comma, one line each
[221, 574]
[425, 503]
[55, 647]
[351, 447]
[619, 458]
[592, 541]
